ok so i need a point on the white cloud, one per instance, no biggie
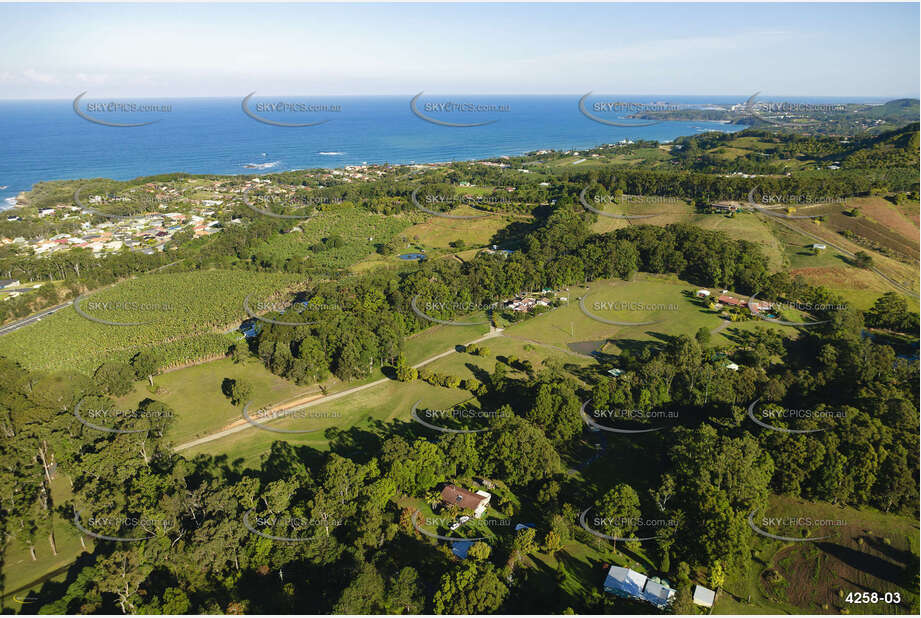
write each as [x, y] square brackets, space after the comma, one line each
[38, 77]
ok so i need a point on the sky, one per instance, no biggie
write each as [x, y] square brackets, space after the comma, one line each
[175, 50]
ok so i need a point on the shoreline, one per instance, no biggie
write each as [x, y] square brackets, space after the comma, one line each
[5, 206]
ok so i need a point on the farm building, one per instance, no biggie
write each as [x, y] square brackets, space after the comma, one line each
[702, 293]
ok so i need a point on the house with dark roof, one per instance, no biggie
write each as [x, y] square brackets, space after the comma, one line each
[467, 500]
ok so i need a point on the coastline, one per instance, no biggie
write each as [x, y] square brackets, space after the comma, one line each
[12, 202]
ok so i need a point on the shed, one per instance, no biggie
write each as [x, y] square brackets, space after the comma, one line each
[703, 596]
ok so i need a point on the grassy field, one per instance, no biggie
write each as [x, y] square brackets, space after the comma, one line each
[194, 394]
[173, 307]
[370, 409]
[869, 551]
[389, 402]
[569, 326]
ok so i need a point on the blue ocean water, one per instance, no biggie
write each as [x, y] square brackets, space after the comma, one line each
[47, 140]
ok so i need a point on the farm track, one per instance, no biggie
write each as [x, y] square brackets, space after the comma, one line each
[323, 399]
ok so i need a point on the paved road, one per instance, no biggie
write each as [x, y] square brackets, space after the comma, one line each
[494, 332]
[32, 318]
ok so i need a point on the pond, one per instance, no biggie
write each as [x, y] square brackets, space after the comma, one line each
[412, 256]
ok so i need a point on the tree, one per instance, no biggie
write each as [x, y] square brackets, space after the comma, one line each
[717, 575]
[703, 336]
[524, 541]
[479, 551]
[239, 352]
[405, 594]
[863, 260]
[473, 589]
[114, 378]
[240, 391]
[891, 311]
[145, 365]
[404, 372]
[364, 595]
[521, 453]
[619, 511]
[556, 410]
[552, 542]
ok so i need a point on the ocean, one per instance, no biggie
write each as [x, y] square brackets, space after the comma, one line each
[47, 140]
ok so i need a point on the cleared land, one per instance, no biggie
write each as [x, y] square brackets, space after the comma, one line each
[666, 301]
[868, 551]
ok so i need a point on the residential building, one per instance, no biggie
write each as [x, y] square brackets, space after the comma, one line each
[467, 500]
[627, 583]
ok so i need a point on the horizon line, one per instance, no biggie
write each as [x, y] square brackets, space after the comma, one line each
[472, 94]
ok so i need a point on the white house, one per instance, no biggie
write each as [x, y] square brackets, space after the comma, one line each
[733, 366]
[702, 293]
[818, 246]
